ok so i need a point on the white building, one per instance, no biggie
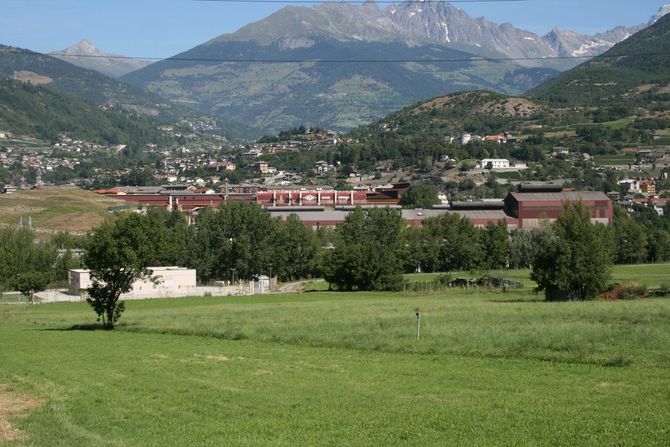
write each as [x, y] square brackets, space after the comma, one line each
[170, 282]
[494, 163]
[631, 185]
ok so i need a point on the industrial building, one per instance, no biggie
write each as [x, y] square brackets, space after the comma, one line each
[171, 282]
[531, 208]
[325, 207]
[174, 198]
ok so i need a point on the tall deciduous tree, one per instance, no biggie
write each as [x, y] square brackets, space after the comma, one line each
[22, 257]
[298, 259]
[118, 253]
[495, 245]
[420, 195]
[460, 247]
[368, 251]
[576, 263]
[525, 245]
[239, 237]
[630, 239]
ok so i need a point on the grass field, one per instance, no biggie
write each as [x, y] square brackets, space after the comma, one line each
[650, 275]
[320, 368]
[54, 210]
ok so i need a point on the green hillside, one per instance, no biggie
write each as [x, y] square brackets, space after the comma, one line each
[63, 77]
[618, 99]
[635, 71]
[36, 111]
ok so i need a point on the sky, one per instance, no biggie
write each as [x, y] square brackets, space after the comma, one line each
[163, 28]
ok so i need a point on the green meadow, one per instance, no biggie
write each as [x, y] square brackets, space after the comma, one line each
[320, 368]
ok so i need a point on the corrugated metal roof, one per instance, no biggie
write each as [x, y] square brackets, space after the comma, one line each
[558, 196]
[314, 216]
[483, 214]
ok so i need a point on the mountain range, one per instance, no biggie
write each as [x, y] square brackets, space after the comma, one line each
[331, 65]
[630, 80]
[341, 65]
[634, 72]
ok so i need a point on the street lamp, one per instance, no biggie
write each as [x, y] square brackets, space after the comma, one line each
[233, 271]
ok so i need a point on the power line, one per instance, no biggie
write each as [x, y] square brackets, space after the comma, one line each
[362, 2]
[334, 61]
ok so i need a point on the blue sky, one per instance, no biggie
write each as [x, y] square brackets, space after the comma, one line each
[162, 28]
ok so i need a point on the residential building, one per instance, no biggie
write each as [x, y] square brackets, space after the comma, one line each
[259, 166]
[494, 163]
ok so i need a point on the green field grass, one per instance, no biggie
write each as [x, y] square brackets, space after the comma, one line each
[650, 275]
[490, 368]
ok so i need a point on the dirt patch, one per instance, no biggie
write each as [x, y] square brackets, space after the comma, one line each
[31, 77]
[21, 209]
[13, 404]
[74, 222]
[485, 103]
[664, 89]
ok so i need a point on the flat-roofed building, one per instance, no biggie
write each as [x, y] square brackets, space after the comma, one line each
[171, 282]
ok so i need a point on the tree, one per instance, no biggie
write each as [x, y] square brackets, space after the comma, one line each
[300, 250]
[576, 262]
[118, 254]
[460, 247]
[631, 239]
[420, 195]
[241, 238]
[495, 245]
[368, 251]
[525, 245]
[30, 282]
[20, 254]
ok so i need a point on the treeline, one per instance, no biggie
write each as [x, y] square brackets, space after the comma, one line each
[371, 250]
[29, 264]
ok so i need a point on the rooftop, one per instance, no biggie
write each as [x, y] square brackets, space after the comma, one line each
[558, 196]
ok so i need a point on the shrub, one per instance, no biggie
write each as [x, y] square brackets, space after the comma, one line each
[625, 291]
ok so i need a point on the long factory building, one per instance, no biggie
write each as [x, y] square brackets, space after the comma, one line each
[326, 207]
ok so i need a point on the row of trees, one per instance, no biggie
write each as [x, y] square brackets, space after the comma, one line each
[370, 251]
[28, 264]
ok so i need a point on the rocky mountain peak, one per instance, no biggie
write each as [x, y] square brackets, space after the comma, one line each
[662, 11]
[82, 48]
[84, 54]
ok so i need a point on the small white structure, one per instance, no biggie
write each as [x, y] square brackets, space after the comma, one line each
[465, 138]
[631, 185]
[171, 282]
[494, 163]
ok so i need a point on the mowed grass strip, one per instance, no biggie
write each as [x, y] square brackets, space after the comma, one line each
[121, 388]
